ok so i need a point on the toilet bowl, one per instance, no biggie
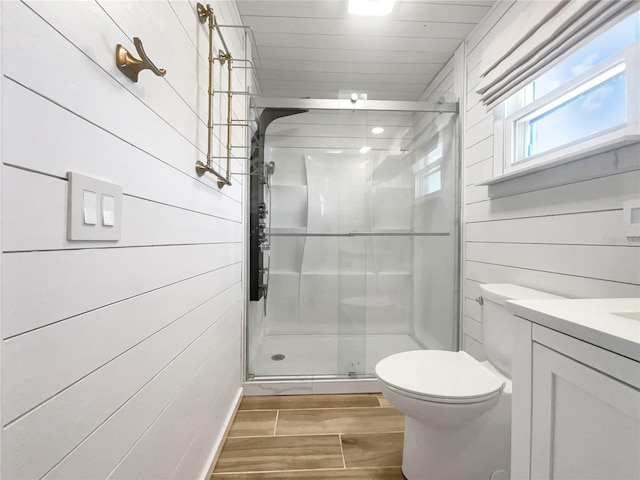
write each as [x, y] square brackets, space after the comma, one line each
[457, 409]
[449, 401]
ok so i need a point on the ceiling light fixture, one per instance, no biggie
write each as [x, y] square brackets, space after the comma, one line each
[375, 8]
[377, 130]
[365, 149]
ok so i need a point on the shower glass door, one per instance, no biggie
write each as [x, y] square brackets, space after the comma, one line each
[363, 252]
[353, 255]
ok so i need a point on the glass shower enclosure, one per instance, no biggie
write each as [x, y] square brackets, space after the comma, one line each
[362, 243]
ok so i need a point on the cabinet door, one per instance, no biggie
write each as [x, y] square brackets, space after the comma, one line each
[584, 424]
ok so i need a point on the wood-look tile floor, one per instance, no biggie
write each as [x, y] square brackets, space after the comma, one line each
[313, 437]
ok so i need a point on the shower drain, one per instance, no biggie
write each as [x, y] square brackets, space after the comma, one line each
[277, 357]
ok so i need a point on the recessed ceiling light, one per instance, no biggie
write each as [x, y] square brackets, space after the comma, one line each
[377, 130]
[371, 7]
[365, 149]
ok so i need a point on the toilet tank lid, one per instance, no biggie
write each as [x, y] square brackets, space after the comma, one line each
[501, 292]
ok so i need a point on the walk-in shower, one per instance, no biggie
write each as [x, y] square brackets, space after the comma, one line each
[361, 242]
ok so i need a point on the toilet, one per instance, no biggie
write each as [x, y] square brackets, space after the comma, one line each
[457, 409]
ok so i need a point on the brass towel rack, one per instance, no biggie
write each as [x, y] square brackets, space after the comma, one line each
[223, 56]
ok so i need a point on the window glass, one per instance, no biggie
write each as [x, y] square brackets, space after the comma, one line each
[434, 155]
[434, 181]
[428, 172]
[549, 114]
[429, 183]
[609, 43]
[601, 108]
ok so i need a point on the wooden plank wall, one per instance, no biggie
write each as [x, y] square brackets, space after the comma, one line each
[559, 230]
[119, 360]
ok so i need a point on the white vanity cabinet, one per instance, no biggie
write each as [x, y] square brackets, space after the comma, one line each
[576, 405]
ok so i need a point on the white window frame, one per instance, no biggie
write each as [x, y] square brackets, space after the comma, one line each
[429, 169]
[505, 122]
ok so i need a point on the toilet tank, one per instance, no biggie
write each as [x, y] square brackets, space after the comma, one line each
[497, 323]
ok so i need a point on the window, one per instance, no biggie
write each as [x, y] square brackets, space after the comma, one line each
[587, 101]
[428, 172]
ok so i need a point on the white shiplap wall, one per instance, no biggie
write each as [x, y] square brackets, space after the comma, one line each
[119, 360]
[559, 230]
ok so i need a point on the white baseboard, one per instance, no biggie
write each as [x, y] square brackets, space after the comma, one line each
[217, 446]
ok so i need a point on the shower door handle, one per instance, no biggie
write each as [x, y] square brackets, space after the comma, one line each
[266, 272]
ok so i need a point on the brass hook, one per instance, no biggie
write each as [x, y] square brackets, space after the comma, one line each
[131, 66]
[204, 12]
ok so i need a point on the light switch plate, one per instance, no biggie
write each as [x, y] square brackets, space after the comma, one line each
[78, 229]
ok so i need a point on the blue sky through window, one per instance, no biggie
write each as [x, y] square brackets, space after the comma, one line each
[598, 109]
[602, 47]
[584, 113]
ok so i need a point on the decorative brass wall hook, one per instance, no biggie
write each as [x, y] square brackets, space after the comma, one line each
[204, 12]
[131, 66]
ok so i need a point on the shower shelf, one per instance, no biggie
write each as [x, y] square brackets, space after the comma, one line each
[342, 274]
[288, 229]
[393, 230]
[355, 274]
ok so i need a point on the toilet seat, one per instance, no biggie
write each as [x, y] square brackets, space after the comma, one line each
[439, 376]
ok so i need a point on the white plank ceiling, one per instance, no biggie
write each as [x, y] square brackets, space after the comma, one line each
[315, 48]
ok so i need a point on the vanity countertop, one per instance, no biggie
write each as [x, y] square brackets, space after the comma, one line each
[610, 323]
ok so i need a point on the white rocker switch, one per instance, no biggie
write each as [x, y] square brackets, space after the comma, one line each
[89, 207]
[108, 210]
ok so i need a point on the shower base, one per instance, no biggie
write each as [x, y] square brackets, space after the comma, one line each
[326, 356]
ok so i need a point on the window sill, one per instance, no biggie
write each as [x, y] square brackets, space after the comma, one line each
[567, 155]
